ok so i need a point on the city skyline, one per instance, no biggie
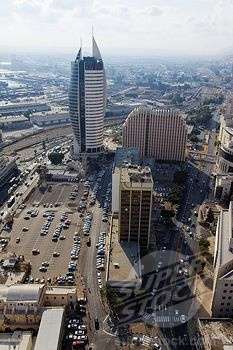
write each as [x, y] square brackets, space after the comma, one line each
[171, 27]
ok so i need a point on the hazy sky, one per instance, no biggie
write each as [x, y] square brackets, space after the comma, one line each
[136, 27]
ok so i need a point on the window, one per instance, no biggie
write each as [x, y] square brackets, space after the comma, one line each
[221, 310]
[229, 298]
[224, 291]
[226, 284]
[222, 304]
[62, 297]
[54, 298]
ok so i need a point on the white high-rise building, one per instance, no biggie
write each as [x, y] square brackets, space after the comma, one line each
[87, 101]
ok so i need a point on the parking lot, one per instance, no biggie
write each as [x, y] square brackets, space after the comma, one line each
[47, 230]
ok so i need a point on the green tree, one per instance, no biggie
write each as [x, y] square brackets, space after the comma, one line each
[55, 157]
[204, 245]
[180, 177]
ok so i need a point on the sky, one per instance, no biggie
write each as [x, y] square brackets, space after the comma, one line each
[121, 27]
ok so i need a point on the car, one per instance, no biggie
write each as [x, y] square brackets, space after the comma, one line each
[43, 269]
[97, 325]
[62, 238]
[45, 263]
[17, 240]
[35, 251]
[25, 229]
[26, 218]
[56, 254]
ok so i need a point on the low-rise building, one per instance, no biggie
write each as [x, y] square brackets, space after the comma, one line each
[16, 341]
[22, 305]
[50, 332]
[22, 107]
[50, 118]
[15, 122]
[60, 296]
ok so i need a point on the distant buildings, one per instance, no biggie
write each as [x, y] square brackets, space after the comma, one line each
[222, 303]
[50, 118]
[135, 204]
[157, 133]
[20, 108]
[18, 122]
[87, 100]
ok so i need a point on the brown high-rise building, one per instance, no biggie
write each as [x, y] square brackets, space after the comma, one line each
[136, 189]
[157, 133]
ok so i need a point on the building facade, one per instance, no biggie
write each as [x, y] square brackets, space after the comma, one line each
[224, 165]
[225, 154]
[87, 101]
[222, 302]
[135, 204]
[159, 134]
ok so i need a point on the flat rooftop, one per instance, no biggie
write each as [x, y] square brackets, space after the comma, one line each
[50, 329]
[136, 174]
[60, 290]
[17, 340]
[124, 260]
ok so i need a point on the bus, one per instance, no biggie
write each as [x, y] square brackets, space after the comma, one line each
[11, 201]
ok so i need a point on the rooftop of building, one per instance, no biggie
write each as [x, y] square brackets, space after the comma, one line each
[135, 174]
[13, 119]
[17, 340]
[21, 292]
[60, 290]
[216, 334]
[124, 260]
[126, 156]
[48, 336]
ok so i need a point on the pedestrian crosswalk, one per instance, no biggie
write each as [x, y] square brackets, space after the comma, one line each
[146, 341]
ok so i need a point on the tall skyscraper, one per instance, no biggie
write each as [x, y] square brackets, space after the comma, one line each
[157, 133]
[87, 101]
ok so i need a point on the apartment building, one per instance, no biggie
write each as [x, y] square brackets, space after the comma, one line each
[135, 204]
[157, 133]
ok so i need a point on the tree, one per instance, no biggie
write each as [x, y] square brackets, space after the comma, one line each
[180, 177]
[204, 245]
[55, 157]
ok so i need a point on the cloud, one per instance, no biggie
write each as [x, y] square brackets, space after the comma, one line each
[156, 11]
[176, 26]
